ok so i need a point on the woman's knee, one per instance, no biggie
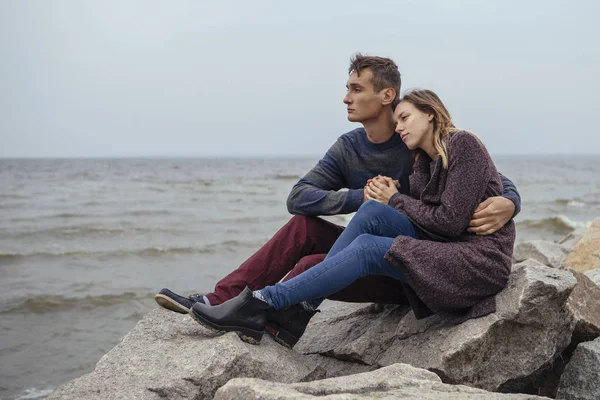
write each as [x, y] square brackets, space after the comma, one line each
[364, 241]
[367, 211]
[369, 245]
[370, 206]
[367, 249]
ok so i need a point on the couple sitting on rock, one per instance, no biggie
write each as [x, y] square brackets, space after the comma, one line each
[440, 240]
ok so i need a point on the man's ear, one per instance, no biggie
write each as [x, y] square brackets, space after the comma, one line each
[389, 95]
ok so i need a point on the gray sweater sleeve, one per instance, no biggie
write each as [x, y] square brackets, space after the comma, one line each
[318, 192]
[509, 190]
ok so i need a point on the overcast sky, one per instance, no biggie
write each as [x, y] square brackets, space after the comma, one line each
[210, 78]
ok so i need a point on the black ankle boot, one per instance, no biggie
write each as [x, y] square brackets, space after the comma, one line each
[244, 314]
[287, 326]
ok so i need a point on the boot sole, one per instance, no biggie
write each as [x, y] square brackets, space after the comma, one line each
[170, 304]
[247, 335]
[281, 336]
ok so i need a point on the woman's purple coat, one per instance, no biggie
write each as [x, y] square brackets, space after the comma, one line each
[457, 278]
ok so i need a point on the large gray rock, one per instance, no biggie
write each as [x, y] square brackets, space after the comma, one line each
[397, 381]
[570, 241]
[586, 254]
[548, 253]
[581, 379]
[594, 275]
[584, 303]
[504, 351]
[530, 262]
[170, 356]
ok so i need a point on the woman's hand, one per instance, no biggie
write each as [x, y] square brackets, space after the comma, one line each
[381, 189]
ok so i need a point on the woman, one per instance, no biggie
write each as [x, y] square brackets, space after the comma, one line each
[420, 240]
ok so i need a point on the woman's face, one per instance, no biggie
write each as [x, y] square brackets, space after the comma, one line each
[414, 126]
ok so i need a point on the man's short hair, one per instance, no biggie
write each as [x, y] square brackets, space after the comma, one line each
[385, 72]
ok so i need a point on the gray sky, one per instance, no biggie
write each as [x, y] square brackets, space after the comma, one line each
[198, 78]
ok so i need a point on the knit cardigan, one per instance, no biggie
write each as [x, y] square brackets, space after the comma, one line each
[448, 270]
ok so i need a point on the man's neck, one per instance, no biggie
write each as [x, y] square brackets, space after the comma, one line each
[381, 128]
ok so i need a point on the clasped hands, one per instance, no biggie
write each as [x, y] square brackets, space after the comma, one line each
[381, 189]
[490, 215]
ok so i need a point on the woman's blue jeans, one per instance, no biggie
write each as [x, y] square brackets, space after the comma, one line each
[358, 252]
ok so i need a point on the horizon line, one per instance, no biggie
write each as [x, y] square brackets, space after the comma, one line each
[252, 156]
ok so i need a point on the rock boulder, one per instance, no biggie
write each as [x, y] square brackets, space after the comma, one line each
[586, 254]
[547, 253]
[570, 241]
[581, 379]
[594, 275]
[397, 381]
[504, 351]
[170, 356]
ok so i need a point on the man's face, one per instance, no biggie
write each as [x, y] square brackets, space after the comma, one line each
[361, 100]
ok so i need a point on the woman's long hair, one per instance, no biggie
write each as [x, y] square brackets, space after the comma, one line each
[428, 102]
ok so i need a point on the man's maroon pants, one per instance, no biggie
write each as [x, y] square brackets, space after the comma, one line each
[299, 245]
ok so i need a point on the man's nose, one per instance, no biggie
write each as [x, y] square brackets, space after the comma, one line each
[347, 99]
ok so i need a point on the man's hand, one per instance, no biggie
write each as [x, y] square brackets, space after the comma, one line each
[381, 188]
[491, 215]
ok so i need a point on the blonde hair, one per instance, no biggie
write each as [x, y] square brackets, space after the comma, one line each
[428, 102]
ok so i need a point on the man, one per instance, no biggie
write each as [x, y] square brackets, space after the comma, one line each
[373, 89]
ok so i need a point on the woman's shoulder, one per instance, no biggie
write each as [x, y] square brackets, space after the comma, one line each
[465, 140]
[462, 135]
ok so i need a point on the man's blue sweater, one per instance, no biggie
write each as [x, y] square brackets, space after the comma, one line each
[348, 164]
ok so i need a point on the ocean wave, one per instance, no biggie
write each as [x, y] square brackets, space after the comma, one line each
[156, 251]
[51, 216]
[34, 394]
[78, 231]
[151, 252]
[92, 203]
[43, 304]
[145, 213]
[14, 196]
[559, 224]
[64, 215]
[284, 177]
[175, 182]
[93, 231]
[6, 258]
[575, 203]
[71, 215]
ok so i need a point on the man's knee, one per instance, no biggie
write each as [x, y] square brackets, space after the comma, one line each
[305, 263]
[310, 260]
[311, 235]
[303, 221]
[314, 226]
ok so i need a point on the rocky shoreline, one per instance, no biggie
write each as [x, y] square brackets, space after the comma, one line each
[543, 341]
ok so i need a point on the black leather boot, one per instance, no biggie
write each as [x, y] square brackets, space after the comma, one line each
[244, 314]
[287, 326]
